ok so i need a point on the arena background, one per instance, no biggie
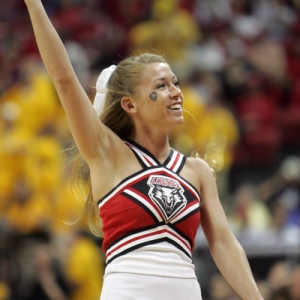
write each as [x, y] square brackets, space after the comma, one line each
[238, 62]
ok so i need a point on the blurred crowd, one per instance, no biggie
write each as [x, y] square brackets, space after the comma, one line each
[238, 62]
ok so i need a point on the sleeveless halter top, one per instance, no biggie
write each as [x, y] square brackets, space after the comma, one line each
[154, 206]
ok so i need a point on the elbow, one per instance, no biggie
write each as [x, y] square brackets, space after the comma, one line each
[62, 78]
[217, 247]
[225, 245]
[64, 85]
[62, 81]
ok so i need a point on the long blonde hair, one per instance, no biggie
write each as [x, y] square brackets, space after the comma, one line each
[123, 82]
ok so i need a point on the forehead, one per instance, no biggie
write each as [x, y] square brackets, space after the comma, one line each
[155, 71]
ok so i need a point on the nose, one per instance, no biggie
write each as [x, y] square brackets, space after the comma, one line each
[175, 91]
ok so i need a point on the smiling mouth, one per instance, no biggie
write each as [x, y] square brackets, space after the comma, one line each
[175, 107]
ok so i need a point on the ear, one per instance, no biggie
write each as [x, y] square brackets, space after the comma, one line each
[128, 105]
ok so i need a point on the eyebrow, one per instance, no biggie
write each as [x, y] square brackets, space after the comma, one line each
[163, 79]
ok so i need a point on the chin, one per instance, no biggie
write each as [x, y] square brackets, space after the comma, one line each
[178, 122]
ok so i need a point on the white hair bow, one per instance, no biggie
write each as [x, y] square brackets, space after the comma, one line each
[101, 88]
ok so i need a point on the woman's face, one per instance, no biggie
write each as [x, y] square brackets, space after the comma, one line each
[166, 109]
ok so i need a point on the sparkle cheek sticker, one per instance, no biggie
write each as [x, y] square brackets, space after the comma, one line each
[153, 96]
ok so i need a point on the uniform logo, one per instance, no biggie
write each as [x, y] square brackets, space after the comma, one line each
[167, 193]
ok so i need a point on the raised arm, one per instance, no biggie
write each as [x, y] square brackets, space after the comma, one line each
[84, 123]
[226, 251]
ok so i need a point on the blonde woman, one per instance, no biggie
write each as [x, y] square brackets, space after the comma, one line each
[152, 199]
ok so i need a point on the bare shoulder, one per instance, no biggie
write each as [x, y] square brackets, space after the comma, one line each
[200, 167]
[198, 172]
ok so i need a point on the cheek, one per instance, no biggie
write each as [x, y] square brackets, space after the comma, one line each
[153, 96]
[154, 110]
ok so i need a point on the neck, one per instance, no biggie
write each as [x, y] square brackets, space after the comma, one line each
[158, 145]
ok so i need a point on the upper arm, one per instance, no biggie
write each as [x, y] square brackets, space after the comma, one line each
[213, 219]
[87, 130]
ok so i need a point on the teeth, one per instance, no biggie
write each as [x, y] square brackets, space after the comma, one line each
[175, 106]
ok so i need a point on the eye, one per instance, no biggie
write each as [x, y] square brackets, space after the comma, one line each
[177, 83]
[161, 85]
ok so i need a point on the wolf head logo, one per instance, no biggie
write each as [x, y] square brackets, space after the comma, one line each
[167, 193]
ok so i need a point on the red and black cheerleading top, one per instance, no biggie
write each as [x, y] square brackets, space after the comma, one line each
[151, 206]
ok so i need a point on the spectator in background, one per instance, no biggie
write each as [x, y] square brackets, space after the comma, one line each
[257, 110]
[278, 18]
[295, 284]
[289, 117]
[124, 20]
[283, 190]
[83, 265]
[250, 214]
[219, 289]
[279, 276]
[170, 31]
[264, 289]
[50, 282]
[29, 154]
[279, 279]
[209, 13]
